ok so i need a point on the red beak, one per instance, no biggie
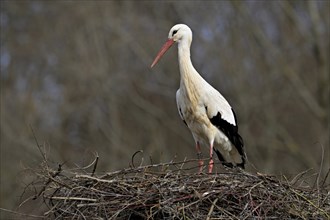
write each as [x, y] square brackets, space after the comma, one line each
[162, 51]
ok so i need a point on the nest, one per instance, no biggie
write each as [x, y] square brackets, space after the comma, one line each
[174, 191]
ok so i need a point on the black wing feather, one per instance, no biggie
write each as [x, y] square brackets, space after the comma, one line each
[231, 131]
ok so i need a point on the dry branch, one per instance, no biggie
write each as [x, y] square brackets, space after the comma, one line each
[173, 191]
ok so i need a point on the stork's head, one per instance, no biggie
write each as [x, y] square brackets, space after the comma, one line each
[178, 33]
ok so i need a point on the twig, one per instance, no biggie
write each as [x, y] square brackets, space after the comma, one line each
[310, 202]
[325, 178]
[175, 192]
[132, 159]
[73, 198]
[211, 209]
[95, 178]
[38, 145]
[95, 164]
[22, 214]
[49, 181]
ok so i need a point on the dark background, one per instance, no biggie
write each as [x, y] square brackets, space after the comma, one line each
[78, 73]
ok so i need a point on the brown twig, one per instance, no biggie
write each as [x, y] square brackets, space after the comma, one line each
[171, 190]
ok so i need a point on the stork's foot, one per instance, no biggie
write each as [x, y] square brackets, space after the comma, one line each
[211, 165]
[200, 165]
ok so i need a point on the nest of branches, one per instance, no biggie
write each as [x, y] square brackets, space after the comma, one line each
[173, 191]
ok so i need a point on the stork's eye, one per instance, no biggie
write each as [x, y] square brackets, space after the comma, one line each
[174, 32]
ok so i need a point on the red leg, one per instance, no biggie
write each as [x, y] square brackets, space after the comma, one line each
[211, 158]
[199, 154]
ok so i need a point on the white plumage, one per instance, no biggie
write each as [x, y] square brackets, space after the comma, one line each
[204, 110]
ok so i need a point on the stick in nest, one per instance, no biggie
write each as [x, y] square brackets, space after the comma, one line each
[176, 192]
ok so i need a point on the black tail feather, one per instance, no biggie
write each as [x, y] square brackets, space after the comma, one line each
[222, 160]
[228, 164]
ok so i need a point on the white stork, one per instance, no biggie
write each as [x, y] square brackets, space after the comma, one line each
[202, 108]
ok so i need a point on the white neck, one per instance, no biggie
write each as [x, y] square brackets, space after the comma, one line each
[190, 82]
[187, 70]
